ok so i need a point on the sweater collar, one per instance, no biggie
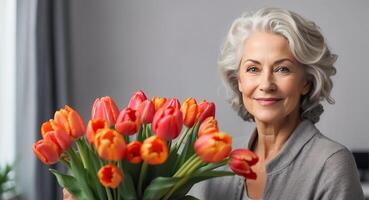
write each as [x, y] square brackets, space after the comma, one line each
[299, 137]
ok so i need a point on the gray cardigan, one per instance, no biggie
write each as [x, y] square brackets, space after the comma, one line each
[310, 166]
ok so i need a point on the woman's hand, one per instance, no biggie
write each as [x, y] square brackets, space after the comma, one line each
[67, 195]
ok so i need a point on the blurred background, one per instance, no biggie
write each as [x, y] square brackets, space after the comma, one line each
[54, 53]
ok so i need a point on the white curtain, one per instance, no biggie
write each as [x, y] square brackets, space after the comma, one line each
[26, 97]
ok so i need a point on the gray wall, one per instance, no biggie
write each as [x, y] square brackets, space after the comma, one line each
[170, 48]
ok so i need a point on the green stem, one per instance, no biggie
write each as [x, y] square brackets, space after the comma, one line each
[141, 178]
[82, 153]
[185, 166]
[181, 138]
[186, 176]
[108, 192]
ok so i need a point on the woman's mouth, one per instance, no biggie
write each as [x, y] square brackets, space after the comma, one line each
[267, 101]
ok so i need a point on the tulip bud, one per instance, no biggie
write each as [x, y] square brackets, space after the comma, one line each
[136, 99]
[109, 144]
[158, 102]
[93, 126]
[207, 109]
[46, 151]
[154, 150]
[190, 111]
[208, 126]
[57, 136]
[133, 152]
[214, 147]
[105, 108]
[110, 176]
[128, 122]
[146, 112]
[71, 121]
[167, 123]
[241, 162]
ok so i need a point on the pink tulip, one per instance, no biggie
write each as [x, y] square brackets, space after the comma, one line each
[172, 103]
[146, 112]
[167, 122]
[128, 122]
[136, 99]
[105, 108]
[241, 162]
[207, 109]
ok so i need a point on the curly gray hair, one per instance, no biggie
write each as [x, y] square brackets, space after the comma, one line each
[306, 43]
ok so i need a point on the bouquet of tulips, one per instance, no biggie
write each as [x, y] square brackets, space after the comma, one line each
[139, 152]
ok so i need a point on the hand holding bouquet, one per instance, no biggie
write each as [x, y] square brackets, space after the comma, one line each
[140, 152]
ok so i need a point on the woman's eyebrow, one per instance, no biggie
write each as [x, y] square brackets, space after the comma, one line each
[276, 62]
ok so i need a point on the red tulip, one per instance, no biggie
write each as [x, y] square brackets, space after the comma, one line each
[109, 144]
[105, 108]
[154, 150]
[167, 123]
[133, 152]
[146, 112]
[190, 111]
[93, 126]
[207, 109]
[173, 103]
[46, 151]
[208, 126]
[110, 176]
[128, 122]
[71, 121]
[241, 162]
[158, 102]
[136, 99]
[214, 147]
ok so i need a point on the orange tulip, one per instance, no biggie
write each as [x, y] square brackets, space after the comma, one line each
[167, 122]
[158, 102]
[241, 162]
[136, 99]
[71, 121]
[207, 109]
[154, 150]
[56, 134]
[146, 112]
[208, 126]
[46, 151]
[93, 126]
[133, 152]
[214, 147]
[190, 111]
[128, 122]
[106, 109]
[109, 144]
[110, 176]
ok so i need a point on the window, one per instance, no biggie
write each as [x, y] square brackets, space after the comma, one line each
[7, 81]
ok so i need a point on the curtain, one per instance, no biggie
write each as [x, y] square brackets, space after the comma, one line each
[42, 46]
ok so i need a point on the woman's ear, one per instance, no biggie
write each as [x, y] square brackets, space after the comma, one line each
[239, 86]
[306, 88]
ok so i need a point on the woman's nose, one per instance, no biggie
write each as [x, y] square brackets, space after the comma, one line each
[267, 82]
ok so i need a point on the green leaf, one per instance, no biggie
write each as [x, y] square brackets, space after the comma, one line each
[70, 183]
[159, 187]
[126, 188]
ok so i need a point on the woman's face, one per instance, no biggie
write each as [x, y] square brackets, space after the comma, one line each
[270, 79]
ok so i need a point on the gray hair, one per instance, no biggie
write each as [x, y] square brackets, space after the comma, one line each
[307, 45]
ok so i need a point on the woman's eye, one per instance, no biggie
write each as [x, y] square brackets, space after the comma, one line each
[282, 69]
[252, 69]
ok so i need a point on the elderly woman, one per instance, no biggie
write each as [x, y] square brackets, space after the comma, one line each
[279, 68]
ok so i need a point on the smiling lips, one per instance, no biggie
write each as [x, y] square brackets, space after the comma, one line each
[267, 101]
